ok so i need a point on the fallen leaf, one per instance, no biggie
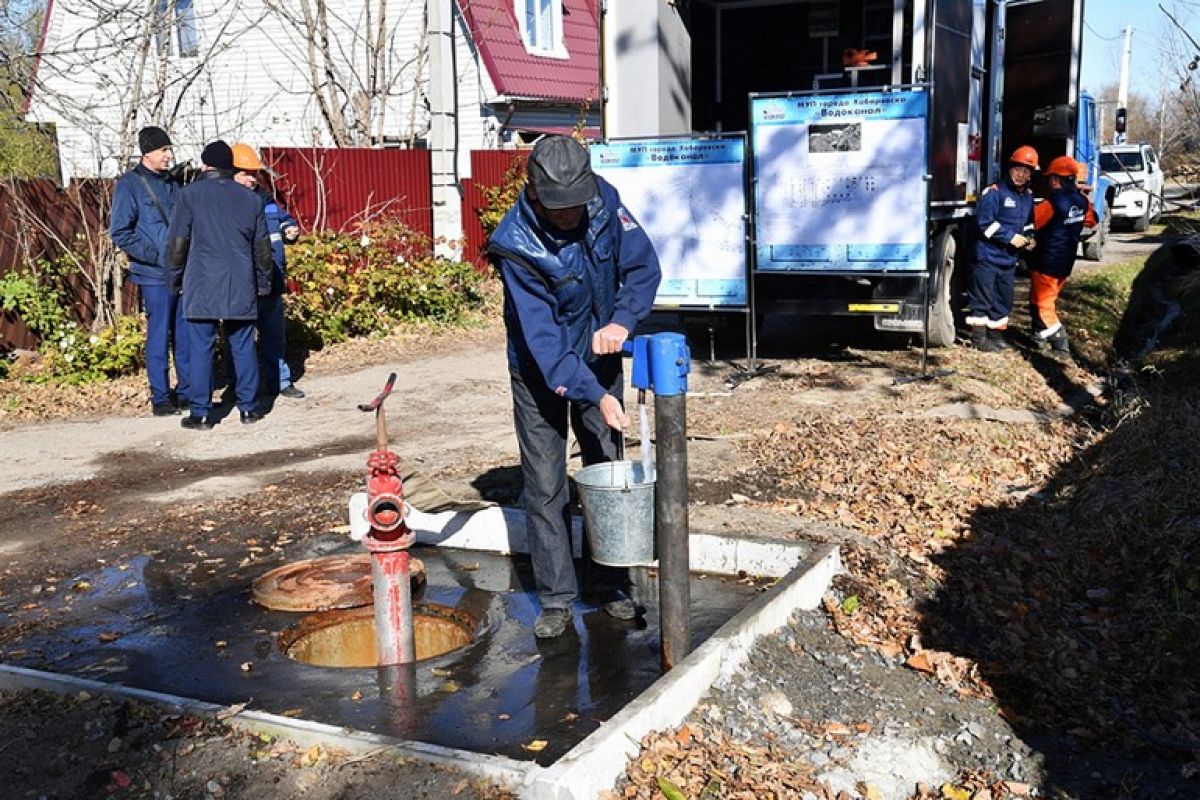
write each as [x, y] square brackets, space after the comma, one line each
[669, 790]
[449, 687]
[952, 792]
[536, 746]
[441, 672]
[1018, 789]
[503, 717]
[292, 712]
[357, 696]
[121, 779]
[109, 636]
[232, 711]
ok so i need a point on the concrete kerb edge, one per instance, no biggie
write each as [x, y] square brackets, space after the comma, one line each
[305, 733]
[595, 763]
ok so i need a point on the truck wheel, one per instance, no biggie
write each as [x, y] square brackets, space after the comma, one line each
[1155, 208]
[941, 311]
[1093, 248]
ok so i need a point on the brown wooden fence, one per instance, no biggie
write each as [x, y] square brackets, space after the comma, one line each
[40, 220]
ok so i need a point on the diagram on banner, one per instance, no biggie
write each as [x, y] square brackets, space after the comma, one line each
[841, 182]
[689, 196]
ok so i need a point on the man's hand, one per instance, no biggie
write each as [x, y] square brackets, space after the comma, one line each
[614, 416]
[609, 339]
[290, 234]
[1018, 241]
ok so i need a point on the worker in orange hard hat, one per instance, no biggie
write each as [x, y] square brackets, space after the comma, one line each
[282, 228]
[1059, 219]
[1004, 217]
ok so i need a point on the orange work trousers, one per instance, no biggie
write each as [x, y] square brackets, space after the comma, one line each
[1043, 297]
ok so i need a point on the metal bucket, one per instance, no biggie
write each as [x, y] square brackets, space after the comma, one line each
[618, 512]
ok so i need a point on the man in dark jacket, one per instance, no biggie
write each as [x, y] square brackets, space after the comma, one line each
[1059, 220]
[143, 200]
[282, 228]
[218, 247]
[1004, 217]
[579, 273]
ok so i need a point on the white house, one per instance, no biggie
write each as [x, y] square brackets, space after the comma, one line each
[449, 75]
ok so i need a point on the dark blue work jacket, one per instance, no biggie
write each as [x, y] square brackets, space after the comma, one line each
[219, 228]
[1058, 238]
[139, 224]
[560, 288]
[1003, 212]
[277, 219]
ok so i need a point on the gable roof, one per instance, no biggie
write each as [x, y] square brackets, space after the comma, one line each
[517, 74]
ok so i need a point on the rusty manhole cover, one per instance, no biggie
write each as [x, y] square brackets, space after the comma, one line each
[321, 584]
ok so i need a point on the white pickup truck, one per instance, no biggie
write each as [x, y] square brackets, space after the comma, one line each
[1138, 177]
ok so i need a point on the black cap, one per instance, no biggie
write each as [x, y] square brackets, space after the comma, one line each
[217, 155]
[561, 172]
[152, 138]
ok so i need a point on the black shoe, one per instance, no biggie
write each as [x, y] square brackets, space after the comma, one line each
[167, 409]
[179, 401]
[250, 417]
[551, 623]
[290, 391]
[194, 423]
[621, 608]
[997, 339]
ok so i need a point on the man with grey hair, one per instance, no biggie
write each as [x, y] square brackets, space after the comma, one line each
[579, 273]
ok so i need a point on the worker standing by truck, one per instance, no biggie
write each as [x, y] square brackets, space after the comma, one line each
[1058, 222]
[1005, 227]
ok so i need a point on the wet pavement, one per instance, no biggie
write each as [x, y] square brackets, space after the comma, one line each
[142, 626]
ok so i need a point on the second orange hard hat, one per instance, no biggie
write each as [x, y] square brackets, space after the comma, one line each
[1064, 167]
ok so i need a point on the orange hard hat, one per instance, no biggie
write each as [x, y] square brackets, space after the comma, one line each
[1064, 167]
[245, 159]
[1025, 156]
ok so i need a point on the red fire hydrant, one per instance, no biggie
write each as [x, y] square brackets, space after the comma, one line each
[388, 539]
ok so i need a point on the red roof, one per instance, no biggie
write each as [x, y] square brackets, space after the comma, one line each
[518, 74]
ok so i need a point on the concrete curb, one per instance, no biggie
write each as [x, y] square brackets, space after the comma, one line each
[595, 763]
[304, 733]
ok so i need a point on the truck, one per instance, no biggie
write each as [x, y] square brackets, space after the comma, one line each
[1138, 179]
[999, 74]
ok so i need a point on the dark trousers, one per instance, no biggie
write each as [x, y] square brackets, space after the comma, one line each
[166, 333]
[541, 419]
[203, 335]
[990, 295]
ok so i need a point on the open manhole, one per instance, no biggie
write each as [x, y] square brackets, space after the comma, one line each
[320, 584]
[347, 638]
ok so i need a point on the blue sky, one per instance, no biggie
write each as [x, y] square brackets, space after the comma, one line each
[1103, 33]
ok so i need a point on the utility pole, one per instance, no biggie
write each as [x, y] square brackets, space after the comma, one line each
[1123, 90]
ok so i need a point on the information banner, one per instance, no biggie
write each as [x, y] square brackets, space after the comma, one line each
[690, 196]
[840, 181]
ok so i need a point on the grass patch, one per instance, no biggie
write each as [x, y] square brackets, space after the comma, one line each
[1092, 305]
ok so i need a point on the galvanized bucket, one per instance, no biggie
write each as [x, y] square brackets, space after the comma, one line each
[618, 512]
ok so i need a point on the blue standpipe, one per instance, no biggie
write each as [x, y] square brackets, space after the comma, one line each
[661, 363]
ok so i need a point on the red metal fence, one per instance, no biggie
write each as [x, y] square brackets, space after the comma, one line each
[335, 189]
[488, 168]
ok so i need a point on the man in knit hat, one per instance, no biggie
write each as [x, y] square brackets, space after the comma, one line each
[143, 200]
[579, 273]
[218, 251]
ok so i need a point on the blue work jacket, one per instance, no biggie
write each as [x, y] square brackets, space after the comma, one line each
[139, 224]
[1058, 237]
[277, 218]
[1003, 212]
[218, 240]
[560, 288]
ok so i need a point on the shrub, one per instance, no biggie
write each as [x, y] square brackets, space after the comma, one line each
[362, 284]
[67, 353]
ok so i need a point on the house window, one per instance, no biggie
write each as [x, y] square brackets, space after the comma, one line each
[541, 24]
[175, 24]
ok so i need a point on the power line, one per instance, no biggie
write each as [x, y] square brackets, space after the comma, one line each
[1096, 33]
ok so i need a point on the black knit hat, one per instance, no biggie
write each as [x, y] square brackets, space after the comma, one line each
[152, 138]
[217, 155]
[561, 172]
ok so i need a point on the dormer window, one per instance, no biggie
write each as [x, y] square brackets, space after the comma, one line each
[175, 30]
[541, 24]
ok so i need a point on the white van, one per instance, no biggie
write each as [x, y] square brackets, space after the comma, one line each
[1138, 178]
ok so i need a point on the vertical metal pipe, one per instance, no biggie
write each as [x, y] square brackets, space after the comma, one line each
[395, 639]
[671, 527]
